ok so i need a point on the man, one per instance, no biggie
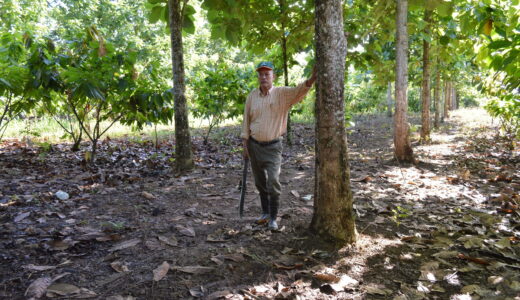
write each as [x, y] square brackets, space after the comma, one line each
[265, 122]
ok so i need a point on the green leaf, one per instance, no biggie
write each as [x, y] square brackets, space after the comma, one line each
[444, 40]
[213, 16]
[155, 14]
[157, 1]
[189, 10]
[499, 44]
[188, 26]
[444, 9]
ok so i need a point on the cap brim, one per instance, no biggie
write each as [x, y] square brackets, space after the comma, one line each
[263, 67]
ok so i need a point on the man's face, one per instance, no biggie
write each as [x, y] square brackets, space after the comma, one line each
[265, 78]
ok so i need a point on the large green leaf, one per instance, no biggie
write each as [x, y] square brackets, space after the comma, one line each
[156, 13]
[499, 44]
[188, 26]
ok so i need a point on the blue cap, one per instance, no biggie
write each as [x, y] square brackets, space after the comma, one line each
[265, 65]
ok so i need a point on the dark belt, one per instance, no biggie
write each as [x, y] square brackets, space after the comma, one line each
[265, 143]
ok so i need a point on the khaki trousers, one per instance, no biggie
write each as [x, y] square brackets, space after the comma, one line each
[266, 161]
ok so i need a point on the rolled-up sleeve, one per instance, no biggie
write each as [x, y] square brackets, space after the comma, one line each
[293, 95]
[246, 124]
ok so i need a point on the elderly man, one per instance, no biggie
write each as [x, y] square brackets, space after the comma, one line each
[265, 123]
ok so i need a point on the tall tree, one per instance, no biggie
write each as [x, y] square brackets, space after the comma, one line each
[333, 213]
[403, 149]
[425, 116]
[436, 95]
[389, 100]
[183, 154]
[447, 99]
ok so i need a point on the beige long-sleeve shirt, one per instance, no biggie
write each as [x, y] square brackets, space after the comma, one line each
[265, 117]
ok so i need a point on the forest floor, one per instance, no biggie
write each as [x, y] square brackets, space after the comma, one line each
[445, 228]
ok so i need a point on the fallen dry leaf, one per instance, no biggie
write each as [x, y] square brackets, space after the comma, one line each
[38, 287]
[474, 259]
[21, 216]
[326, 277]
[148, 196]
[168, 240]
[161, 271]
[119, 297]
[32, 267]
[61, 289]
[119, 267]
[295, 194]
[194, 269]
[187, 231]
[291, 267]
[125, 244]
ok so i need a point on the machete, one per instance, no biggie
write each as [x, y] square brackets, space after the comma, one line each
[243, 187]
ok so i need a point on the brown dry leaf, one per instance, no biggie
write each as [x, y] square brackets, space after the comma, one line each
[148, 196]
[237, 257]
[218, 295]
[363, 179]
[187, 231]
[161, 271]
[109, 237]
[291, 267]
[194, 269]
[119, 297]
[153, 244]
[474, 259]
[61, 289]
[59, 245]
[119, 267]
[38, 287]
[215, 238]
[21, 216]
[125, 244]
[170, 241]
[453, 180]
[32, 267]
[326, 277]
[197, 292]
[217, 261]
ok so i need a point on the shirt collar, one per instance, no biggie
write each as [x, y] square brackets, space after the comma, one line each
[268, 92]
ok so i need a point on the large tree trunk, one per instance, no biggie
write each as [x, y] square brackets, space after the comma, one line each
[403, 149]
[425, 116]
[436, 95]
[389, 100]
[281, 3]
[447, 94]
[183, 155]
[333, 213]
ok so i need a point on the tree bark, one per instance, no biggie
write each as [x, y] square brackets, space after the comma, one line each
[183, 155]
[425, 116]
[447, 94]
[403, 149]
[389, 100]
[436, 95]
[281, 4]
[333, 217]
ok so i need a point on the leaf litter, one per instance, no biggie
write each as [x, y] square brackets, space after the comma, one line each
[458, 207]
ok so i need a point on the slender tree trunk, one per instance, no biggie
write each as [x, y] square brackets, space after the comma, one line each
[403, 149]
[453, 98]
[281, 4]
[183, 155]
[457, 100]
[425, 116]
[389, 99]
[436, 95]
[333, 213]
[447, 93]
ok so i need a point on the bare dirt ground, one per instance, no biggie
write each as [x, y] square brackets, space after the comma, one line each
[446, 228]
